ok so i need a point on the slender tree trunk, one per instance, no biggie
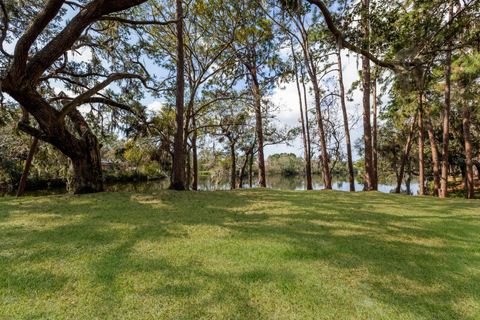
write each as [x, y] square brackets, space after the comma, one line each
[375, 135]
[233, 168]
[178, 171]
[242, 170]
[327, 178]
[367, 129]
[406, 152]
[308, 168]
[307, 131]
[250, 171]
[351, 174]
[188, 169]
[311, 68]
[421, 147]
[435, 157]
[446, 113]
[26, 170]
[262, 181]
[470, 187]
[408, 179]
[194, 160]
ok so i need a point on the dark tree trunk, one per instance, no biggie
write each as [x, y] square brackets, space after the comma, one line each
[178, 170]
[435, 157]
[327, 178]
[421, 147]
[194, 159]
[408, 178]
[469, 185]
[307, 131]
[26, 170]
[262, 180]
[375, 135]
[446, 113]
[406, 152]
[188, 169]
[87, 168]
[233, 167]
[367, 129]
[250, 171]
[351, 174]
[306, 154]
[243, 169]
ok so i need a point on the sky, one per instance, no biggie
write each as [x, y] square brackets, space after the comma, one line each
[284, 97]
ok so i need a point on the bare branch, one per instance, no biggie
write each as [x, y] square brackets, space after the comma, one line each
[89, 93]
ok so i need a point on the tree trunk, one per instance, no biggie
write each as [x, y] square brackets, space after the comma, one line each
[307, 131]
[406, 152]
[408, 179]
[188, 169]
[421, 149]
[446, 113]
[194, 158]
[327, 178]
[87, 168]
[375, 135]
[26, 170]
[250, 171]
[470, 187]
[435, 157]
[233, 167]
[262, 181]
[178, 171]
[351, 175]
[367, 129]
[308, 168]
[241, 174]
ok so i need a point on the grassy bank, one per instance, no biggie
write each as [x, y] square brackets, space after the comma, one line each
[239, 255]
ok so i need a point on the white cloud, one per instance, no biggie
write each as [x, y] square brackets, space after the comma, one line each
[155, 106]
[84, 54]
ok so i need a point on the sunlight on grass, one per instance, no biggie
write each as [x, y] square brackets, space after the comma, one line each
[248, 254]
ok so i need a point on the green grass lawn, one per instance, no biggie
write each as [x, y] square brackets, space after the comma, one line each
[252, 254]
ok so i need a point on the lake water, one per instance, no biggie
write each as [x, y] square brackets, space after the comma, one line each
[207, 184]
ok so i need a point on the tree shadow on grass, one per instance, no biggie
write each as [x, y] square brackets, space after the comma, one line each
[420, 254]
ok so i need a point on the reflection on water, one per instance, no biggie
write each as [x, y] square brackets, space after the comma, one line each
[208, 184]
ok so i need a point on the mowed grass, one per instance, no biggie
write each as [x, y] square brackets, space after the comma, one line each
[248, 254]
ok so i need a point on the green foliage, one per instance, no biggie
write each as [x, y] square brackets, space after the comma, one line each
[286, 164]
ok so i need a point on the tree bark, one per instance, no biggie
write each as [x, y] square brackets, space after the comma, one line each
[87, 169]
[308, 168]
[446, 113]
[366, 78]
[421, 147]
[233, 167]
[375, 135]
[351, 174]
[307, 130]
[469, 184]
[26, 170]
[406, 152]
[262, 181]
[435, 157]
[241, 174]
[327, 178]
[194, 157]
[250, 171]
[178, 171]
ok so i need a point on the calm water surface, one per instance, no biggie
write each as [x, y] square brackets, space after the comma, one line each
[209, 184]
